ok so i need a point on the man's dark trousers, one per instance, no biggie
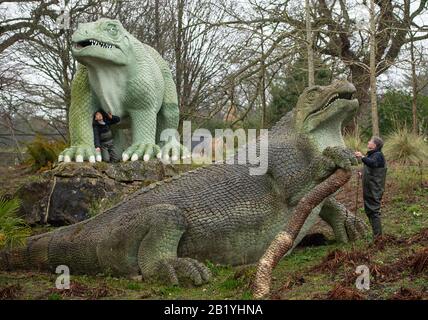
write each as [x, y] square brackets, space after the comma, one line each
[373, 189]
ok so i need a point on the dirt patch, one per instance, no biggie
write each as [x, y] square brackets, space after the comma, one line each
[10, 292]
[415, 263]
[339, 258]
[340, 292]
[421, 238]
[385, 241]
[419, 262]
[409, 294]
[292, 282]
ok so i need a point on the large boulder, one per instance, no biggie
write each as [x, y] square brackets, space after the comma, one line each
[73, 192]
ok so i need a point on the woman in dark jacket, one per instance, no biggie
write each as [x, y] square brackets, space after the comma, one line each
[374, 177]
[103, 137]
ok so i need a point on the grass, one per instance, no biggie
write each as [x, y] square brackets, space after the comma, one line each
[354, 140]
[295, 277]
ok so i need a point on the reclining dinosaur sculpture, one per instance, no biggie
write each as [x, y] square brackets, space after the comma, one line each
[119, 74]
[219, 213]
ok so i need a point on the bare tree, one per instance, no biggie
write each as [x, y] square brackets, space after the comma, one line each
[23, 27]
[373, 83]
[310, 49]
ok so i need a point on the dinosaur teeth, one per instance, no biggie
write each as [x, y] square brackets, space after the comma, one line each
[332, 99]
[99, 44]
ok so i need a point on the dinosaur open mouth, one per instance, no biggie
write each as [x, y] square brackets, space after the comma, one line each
[333, 98]
[93, 43]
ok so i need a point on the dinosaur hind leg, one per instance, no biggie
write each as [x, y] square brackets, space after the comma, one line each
[157, 254]
[345, 225]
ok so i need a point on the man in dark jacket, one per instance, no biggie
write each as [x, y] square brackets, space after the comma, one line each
[374, 177]
[103, 137]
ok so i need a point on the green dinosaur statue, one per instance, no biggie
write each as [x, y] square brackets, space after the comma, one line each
[219, 213]
[121, 75]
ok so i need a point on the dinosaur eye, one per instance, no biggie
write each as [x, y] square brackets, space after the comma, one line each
[112, 29]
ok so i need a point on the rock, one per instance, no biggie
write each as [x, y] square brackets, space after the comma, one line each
[73, 192]
[135, 171]
[34, 198]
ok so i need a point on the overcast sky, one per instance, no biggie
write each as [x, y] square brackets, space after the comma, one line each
[394, 76]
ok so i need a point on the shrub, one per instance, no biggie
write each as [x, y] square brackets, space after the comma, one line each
[406, 148]
[13, 230]
[44, 153]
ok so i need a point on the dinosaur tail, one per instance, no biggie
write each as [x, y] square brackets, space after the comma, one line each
[32, 256]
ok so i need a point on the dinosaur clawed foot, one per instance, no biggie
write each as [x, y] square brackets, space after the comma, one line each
[355, 228]
[80, 154]
[141, 151]
[176, 270]
[349, 228]
[171, 151]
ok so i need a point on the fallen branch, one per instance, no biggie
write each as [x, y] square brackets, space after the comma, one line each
[284, 241]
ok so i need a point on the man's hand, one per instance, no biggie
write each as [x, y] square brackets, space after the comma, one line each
[110, 115]
[98, 156]
[358, 154]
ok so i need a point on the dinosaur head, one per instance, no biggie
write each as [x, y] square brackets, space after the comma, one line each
[104, 40]
[321, 111]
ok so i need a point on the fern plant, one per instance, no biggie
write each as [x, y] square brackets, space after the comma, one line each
[13, 230]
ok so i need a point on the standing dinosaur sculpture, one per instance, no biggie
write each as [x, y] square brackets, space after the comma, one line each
[219, 213]
[121, 75]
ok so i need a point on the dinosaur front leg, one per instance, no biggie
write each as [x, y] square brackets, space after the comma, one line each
[143, 135]
[157, 255]
[83, 106]
[346, 226]
[342, 157]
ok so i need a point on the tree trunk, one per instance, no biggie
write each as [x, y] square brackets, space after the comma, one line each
[310, 49]
[361, 79]
[157, 28]
[263, 80]
[10, 124]
[178, 50]
[373, 82]
[414, 87]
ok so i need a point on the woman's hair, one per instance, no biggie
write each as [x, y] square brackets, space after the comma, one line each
[102, 113]
[378, 142]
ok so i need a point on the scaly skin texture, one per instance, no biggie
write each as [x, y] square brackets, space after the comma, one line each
[219, 213]
[121, 75]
